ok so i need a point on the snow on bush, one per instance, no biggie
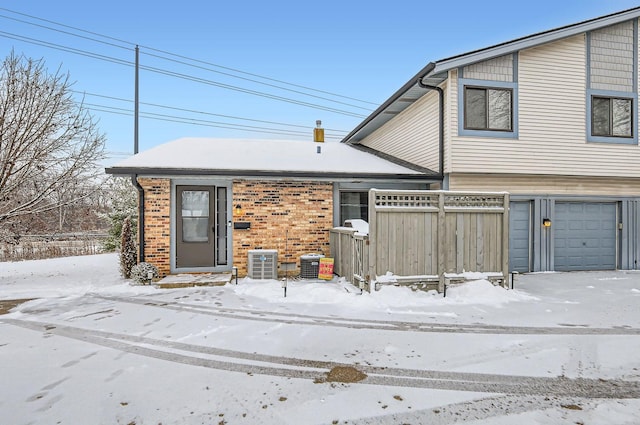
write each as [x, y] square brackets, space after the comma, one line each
[128, 250]
[144, 273]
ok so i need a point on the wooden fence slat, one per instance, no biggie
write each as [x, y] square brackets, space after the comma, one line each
[428, 233]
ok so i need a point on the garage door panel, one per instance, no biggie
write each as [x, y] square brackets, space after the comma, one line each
[519, 236]
[584, 236]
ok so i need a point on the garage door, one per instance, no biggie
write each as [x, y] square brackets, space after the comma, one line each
[584, 236]
[519, 236]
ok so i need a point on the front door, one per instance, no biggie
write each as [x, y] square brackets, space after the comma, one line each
[201, 226]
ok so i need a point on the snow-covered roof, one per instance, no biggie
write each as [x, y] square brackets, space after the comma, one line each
[262, 157]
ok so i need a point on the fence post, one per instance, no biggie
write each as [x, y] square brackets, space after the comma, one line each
[372, 251]
[441, 239]
[505, 241]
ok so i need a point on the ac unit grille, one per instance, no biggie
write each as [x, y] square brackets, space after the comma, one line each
[310, 266]
[263, 264]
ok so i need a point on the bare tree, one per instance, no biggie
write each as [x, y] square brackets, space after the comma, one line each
[49, 143]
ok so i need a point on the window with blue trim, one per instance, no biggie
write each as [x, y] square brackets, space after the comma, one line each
[611, 117]
[612, 90]
[487, 108]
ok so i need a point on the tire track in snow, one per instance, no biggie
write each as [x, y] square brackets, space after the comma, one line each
[280, 366]
[302, 319]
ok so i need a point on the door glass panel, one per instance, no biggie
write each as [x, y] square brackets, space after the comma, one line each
[221, 225]
[195, 216]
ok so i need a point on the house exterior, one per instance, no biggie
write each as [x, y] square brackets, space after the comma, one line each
[551, 118]
[208, 204]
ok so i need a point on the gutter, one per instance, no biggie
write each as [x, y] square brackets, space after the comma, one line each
[134, 180]
[423, 72]
[159, 171]
[440, 121]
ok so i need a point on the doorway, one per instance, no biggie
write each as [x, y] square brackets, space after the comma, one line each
[201, 226]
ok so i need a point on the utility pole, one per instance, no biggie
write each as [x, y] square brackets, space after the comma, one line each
[136, 106]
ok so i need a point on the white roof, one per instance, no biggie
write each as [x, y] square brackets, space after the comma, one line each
[238, 156]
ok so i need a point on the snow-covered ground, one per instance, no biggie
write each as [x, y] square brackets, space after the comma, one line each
[93, 349]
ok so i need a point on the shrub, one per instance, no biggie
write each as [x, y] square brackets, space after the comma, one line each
[128, 254]
[143, 273]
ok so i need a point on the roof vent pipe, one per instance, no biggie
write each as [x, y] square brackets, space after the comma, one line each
[318, 133]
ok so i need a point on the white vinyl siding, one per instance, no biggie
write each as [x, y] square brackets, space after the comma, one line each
[552, 123]
[412, 135]
[612, 56]
[544, 185]
[498, 69]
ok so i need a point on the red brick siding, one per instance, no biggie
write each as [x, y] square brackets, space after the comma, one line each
[292, 217]
[157, 223]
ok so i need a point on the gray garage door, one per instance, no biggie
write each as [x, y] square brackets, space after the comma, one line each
[519, 236]
[584, 236]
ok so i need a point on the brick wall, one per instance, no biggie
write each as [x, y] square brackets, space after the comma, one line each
[157, 223]
[292, 217]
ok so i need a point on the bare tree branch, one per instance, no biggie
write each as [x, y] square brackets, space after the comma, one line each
[49, 143]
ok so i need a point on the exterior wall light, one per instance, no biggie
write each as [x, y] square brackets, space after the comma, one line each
[237, 210]
[546, 222]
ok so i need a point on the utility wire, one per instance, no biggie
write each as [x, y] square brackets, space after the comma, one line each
[178, 56]
[249, 91]
[204, 113]
[193, 121]
[259, 82]
[180, 75]
[66, 49]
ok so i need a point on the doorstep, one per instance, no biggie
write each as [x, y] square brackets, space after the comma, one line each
[187, 280]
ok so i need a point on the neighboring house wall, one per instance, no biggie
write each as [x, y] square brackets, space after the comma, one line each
[157, 223]
[412, 135]
[291, 217]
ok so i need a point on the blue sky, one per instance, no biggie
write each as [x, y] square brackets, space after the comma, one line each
[360, 50]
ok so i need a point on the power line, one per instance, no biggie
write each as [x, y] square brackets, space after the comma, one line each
[194, 121]
[205, 113]
[249, 91]
[180, 75]
[178, 56]
[65, 48]
[259, 82]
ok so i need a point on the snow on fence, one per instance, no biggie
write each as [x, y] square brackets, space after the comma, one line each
[37, 247]
[426, 237]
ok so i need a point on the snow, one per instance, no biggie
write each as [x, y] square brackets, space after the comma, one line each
[360, 226]
[93, 348]
[250, 155]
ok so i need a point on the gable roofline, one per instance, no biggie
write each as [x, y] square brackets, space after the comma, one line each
[437, 72]
[534, 40]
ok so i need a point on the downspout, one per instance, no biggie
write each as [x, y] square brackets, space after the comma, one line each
[134, 178]
[140, 189]
[441, 124]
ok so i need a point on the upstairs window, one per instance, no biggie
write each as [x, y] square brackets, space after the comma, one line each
[611, 117]
[488, 108]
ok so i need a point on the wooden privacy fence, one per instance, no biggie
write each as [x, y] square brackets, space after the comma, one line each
[426, 236]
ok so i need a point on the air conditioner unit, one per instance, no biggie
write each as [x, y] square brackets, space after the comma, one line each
[310, 266]
[263, 264]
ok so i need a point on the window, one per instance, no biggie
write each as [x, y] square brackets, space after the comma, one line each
[611, 117]
[354, 205]
[488, 109]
